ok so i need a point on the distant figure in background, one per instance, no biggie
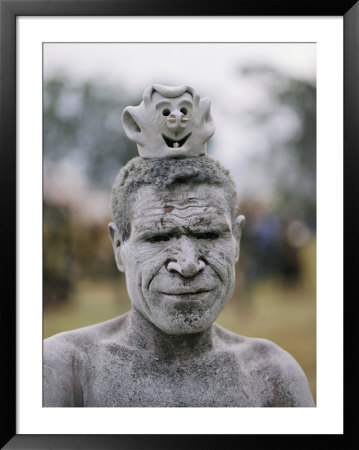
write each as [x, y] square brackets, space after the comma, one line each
[176, 235]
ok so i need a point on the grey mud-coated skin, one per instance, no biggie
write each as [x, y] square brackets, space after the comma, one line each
[100, 366]
[167, 351]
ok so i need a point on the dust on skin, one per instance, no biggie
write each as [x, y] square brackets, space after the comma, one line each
[178, 249]
[166, 351]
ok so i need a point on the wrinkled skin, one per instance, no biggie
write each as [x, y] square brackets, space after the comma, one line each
[179, 260]
[179, 264]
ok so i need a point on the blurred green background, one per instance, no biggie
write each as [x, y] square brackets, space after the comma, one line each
[266, 136]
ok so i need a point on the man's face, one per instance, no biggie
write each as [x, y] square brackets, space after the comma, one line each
[179, 259]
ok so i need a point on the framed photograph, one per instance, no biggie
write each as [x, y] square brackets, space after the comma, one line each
[267, 72]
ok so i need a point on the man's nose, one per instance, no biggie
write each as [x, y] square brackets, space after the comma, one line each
[187, 262]
[176, 121]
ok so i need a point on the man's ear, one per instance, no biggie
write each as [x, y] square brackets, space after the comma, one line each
[116, 244]
[237, 231]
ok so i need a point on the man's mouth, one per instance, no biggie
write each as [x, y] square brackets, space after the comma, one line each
[182, 293]
[172, 143]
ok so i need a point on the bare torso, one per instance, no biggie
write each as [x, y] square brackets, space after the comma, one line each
[98, 367]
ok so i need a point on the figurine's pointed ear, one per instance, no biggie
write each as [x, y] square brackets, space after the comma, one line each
[116, 244]
[131, 124]
[206, 109]
[237, 230]
[207, 120]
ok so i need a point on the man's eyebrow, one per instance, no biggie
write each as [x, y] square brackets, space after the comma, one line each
[147, 233]
[153, 228]
[221, 227]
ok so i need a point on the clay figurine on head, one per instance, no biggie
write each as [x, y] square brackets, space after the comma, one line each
[170, 122]
[176, 236]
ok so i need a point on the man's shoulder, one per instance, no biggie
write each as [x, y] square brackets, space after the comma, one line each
[82, 339]
[66, 356]
[258, 350]
[270, 364]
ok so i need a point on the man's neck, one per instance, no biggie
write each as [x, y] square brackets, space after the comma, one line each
[143, 334]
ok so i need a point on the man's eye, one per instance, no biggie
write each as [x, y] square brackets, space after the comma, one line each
[209, 235]
[158, 238]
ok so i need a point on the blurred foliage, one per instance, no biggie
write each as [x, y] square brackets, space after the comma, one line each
[73, 249]
[287, 121]
[83, 121]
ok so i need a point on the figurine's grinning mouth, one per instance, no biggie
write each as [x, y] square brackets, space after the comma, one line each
[175, 144]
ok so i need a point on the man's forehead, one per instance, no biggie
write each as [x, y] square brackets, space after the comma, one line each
[186, 199]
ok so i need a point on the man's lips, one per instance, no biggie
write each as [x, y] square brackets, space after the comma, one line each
[187, 292]
[173, 143]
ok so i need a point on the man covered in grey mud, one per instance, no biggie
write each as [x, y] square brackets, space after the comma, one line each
[176, 236]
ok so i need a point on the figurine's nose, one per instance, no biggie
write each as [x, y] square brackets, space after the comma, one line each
[187, 262]
[176, 121]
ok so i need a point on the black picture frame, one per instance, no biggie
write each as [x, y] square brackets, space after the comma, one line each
[9, 10]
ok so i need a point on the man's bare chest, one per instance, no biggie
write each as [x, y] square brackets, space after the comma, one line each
[125, 379]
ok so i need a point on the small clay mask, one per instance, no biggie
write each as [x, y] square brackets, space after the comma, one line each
[170, 122]
[179, 259]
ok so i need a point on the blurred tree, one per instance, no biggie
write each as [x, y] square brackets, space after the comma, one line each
[83, 121]
[73, 249]
[58, 261]
[286, 120]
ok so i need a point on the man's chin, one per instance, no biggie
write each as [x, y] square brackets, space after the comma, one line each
[181, 313]
[183, 321]
[184, 329]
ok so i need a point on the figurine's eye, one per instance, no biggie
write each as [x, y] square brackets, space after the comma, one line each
[184, 111]
[166, 112]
